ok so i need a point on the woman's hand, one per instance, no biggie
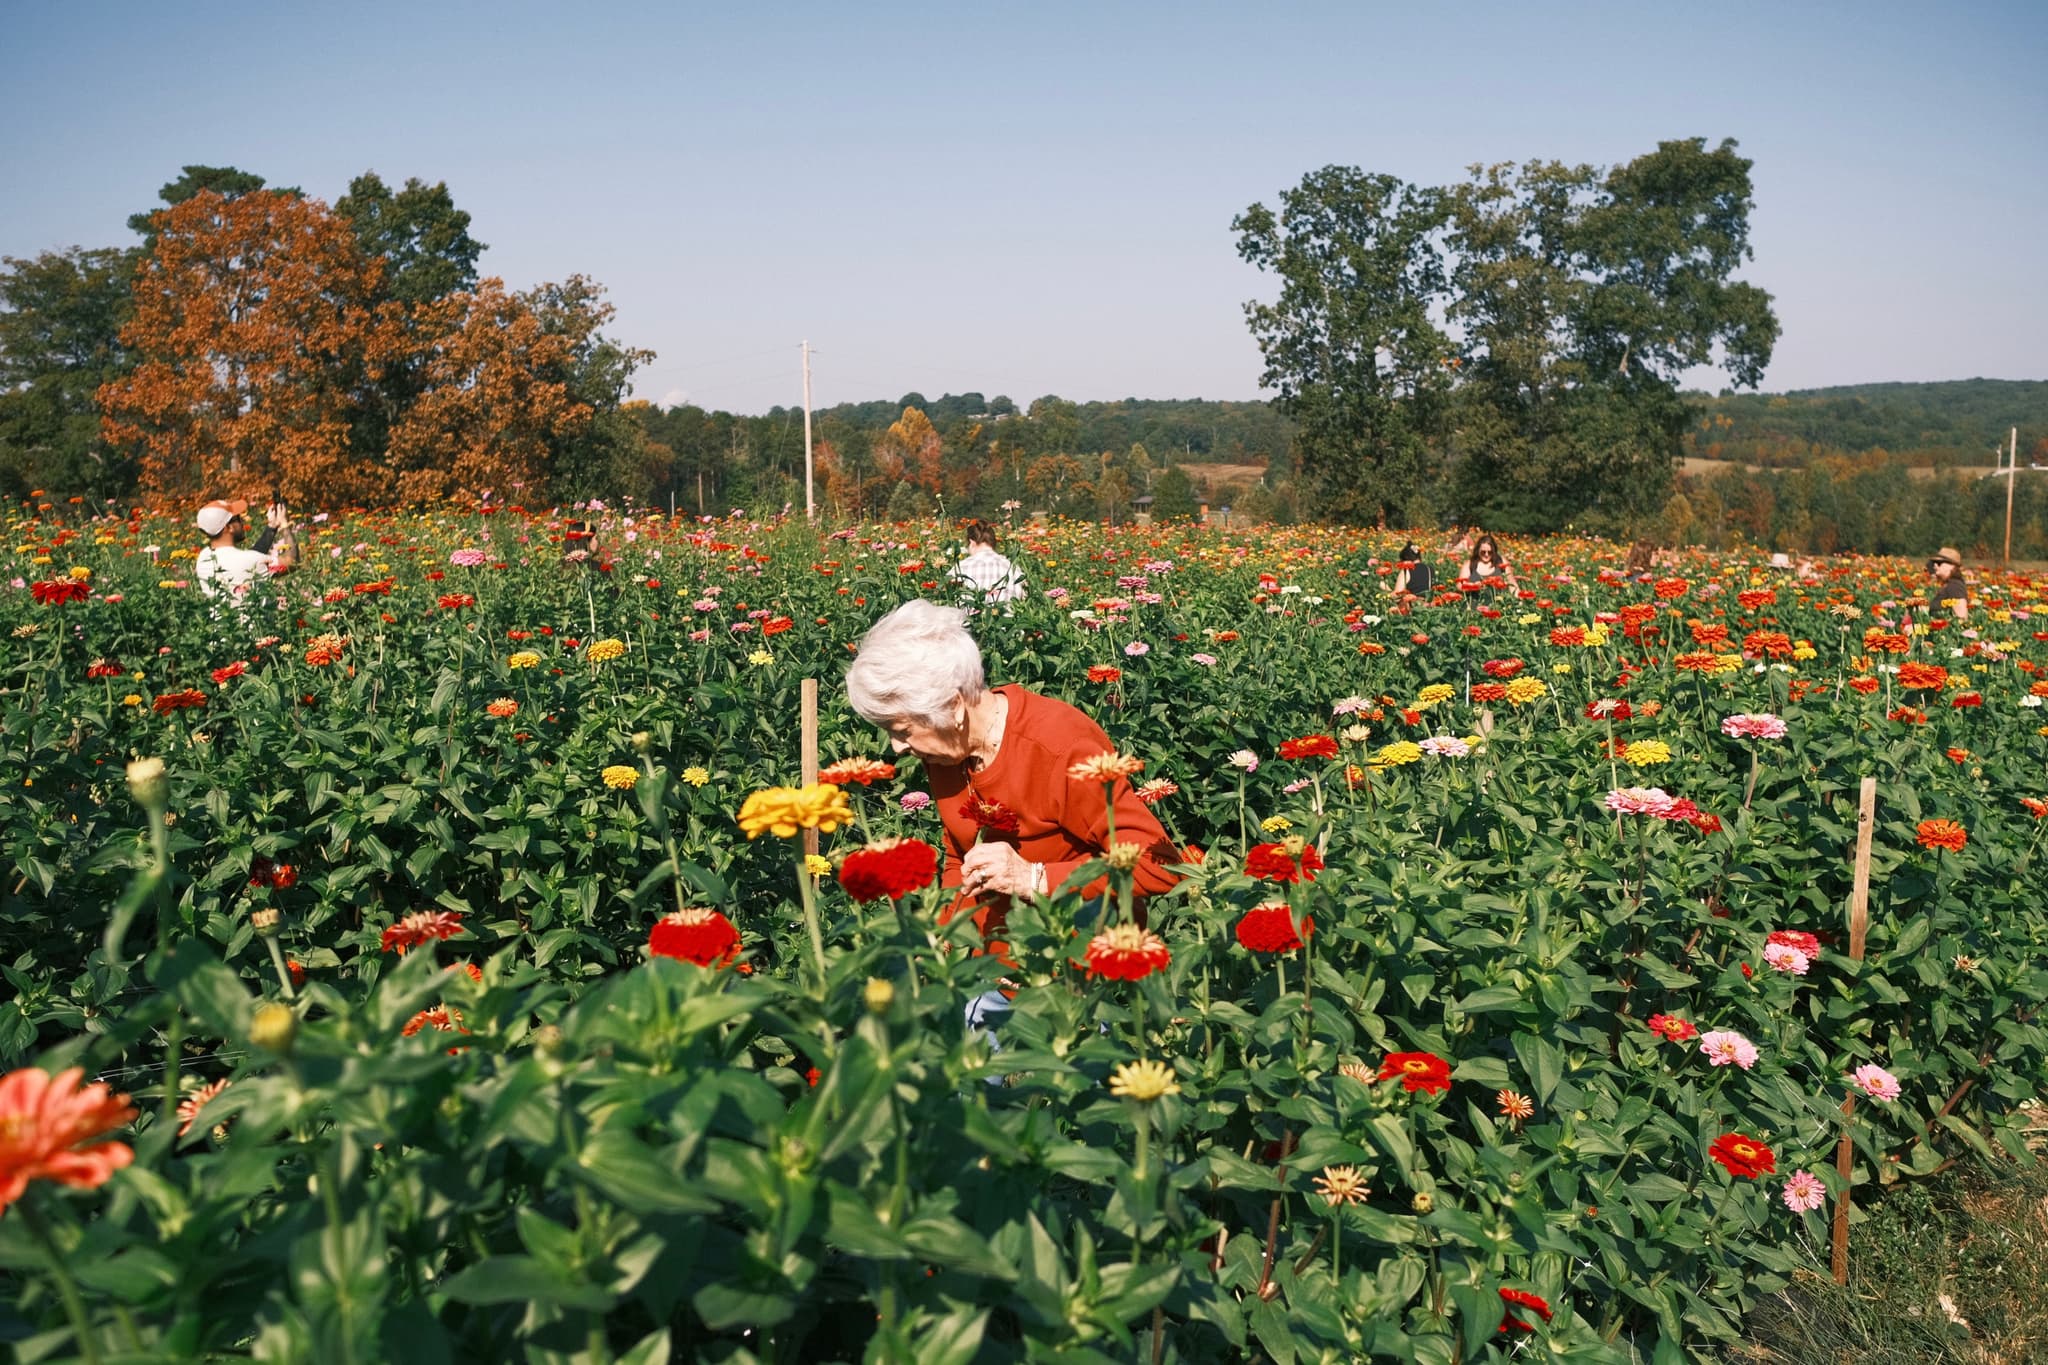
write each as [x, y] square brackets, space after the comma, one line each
[997, 869]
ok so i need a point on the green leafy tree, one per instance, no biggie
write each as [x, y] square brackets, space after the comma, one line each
[61, 315]
[1352, 344]
[229, 182]
[1173, 496]
[423, 238]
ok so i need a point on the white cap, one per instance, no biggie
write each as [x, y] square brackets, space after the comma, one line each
[215, 516]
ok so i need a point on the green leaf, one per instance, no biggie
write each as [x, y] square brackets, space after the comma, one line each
[522, 1279]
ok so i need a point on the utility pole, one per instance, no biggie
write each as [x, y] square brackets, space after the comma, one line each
[2012, 473]
[810, 506]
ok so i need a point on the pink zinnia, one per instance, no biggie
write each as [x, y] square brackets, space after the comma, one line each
[1796, 938]
[1804, 1192]
[468, 559]
[1723, 1047]
[1874, 1081]
[1786, 958]
[1753, 726]
[1639, 800]
[913, 802]
[1445, 746]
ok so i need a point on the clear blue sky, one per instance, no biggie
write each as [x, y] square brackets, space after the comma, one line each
[1036, 198]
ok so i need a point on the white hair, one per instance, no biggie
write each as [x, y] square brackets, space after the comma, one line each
[916, 663]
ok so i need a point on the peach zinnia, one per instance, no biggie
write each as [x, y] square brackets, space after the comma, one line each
[45, 1121]
[422, 926]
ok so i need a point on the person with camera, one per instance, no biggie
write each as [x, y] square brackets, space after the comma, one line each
[227, 571]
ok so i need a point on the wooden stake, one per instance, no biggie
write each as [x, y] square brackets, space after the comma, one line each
[809, 755]
[1859, 927]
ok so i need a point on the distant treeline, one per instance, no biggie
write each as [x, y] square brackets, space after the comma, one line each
[1934, 424]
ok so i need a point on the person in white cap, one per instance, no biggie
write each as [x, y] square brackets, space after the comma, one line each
[227, 571]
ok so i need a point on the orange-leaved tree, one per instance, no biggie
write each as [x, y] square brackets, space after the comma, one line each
[910, 450]
[494, 396]
[256, 319]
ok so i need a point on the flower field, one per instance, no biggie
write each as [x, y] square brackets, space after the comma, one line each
[423, 963]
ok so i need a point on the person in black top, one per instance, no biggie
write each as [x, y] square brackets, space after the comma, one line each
[1414, 575]
[1949, 588]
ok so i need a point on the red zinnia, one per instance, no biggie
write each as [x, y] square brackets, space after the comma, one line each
[58, 591]
[1915, 675]
[1417, 1071]
[1673, 1028]
[890, 867]
[1501, 668]
[1127, 953]
[440, 1017]
[1271, 928]
[1522, 1298]
[1670, 590]
[1103, 673]
[1743, 1156]
[456, 601]
[45, 1121]
[1795, 938]
[1281, 863]
[699, 935]
[233, 670]
[103, 668]
[1489, 692]
[988, 815]
[422, 926]
[1309, 746]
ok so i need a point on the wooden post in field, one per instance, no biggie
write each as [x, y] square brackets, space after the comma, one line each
[1859, 927]
[810, 749]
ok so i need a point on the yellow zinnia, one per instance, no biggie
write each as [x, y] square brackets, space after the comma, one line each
[783, 811]
[525, 658]
[817, 864]
[1399, 752]
[604, 651]
[696, 777]
[1273, 824]
[1645, 752]
[1433, 694]
[1143, 1081]
[619, 776]
[1522, 691]
[760, 658]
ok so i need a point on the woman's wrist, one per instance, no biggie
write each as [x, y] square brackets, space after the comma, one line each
[1039, 879]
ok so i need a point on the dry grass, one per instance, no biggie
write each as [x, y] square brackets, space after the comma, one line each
[1693, 466]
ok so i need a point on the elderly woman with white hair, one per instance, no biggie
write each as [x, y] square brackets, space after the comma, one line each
[997, 759]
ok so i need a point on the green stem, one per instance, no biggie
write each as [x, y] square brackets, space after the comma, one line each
[284, 971]
[67, 1288]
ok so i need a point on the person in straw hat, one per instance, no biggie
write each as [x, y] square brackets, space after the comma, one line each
[1949, 588]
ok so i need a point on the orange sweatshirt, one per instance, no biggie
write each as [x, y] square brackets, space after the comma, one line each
[1060, 822]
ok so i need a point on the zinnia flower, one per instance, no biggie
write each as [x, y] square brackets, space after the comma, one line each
[1514, 1105]
[1874, 1081]
[525, 658]
[696, 777]
[1445, 746]
[1158, 789]
[441, 1018]
[1271, 928]
[1433, 694]
[1804, 1192]
[1646, 752]
[603, 651]
[1521, 1298]
[422, 926]
[1743, 1156]
[1417, 1071]
[1341, 1185]
[1245, 761]
[1103, 673]
[1753, 726]
[619, 776]
[179, 701]
[1724, 1048]
[1785, 958]
[503, 707]
[468, 558]
[1308, 746]
[1935, 834]
[1490, 692]
[1400, 752]
[1127, 953]
[189, 1107]
[888, 867]
[1796, 938]
[1522, 691]
[45, 1119]
[1105, 767]
[865, 771]
[1672, 1028]
[698, 934]
[58, 591]
[1143, 1081]
[1639, 800]
[1291, 860]
[783, 811]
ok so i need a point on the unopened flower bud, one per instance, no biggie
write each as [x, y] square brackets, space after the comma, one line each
[264, 922]
[273, 1027]
[642, 741]
[879, 995]
[147, 783]
[1294, 845]
[1124, 856]
[1423, 1203]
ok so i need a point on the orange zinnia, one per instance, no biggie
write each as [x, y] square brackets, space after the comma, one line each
[44, 1119]
[1943, 834]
